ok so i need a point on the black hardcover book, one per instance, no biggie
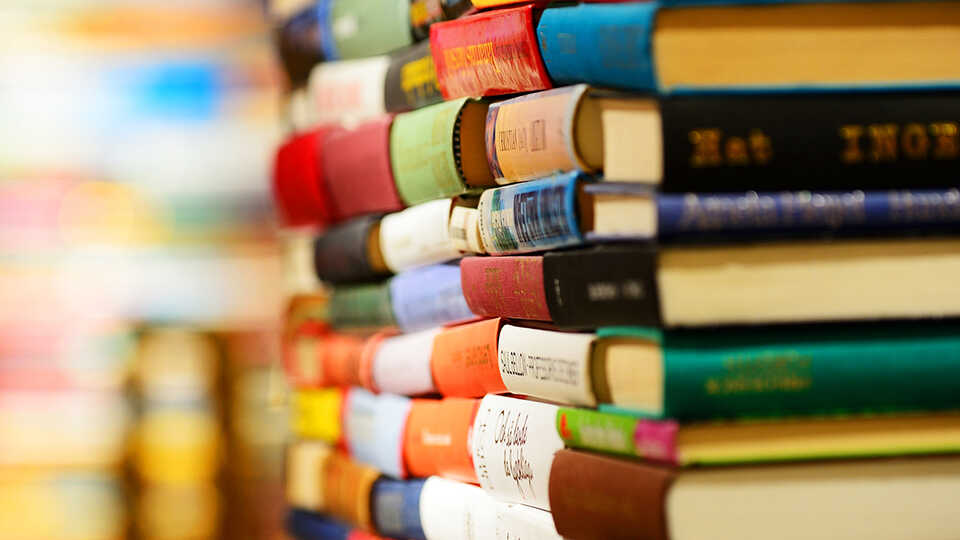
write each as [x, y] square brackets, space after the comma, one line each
[824, 141]
[341, 255]
[299, 45]
[411, 80]
[602, 286]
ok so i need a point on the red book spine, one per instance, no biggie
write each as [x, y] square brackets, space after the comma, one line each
[298, 187]
[490, 53]
[509, 287]
[357, 170]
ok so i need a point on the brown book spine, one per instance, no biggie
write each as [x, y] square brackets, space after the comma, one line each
[595, 497]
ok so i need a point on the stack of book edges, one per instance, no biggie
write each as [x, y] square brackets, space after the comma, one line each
[623, 270]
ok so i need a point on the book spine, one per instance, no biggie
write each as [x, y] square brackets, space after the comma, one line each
[531, 216]
[605, 286]
[428, 297]
[361, 306]
[513, 445]
[357, 169]
[487, 54]
[618, 434]
[531, 136]
[373, 426]
[595, 497]
[348, 92]
[299, 46]
[452, 510]
[401, 364]
[425, 163]
[417, 236]
[298, 182]
[605, 45]
[546, 364]
[348, 486]
[340, 358]
[693, 214]
[437, 438]
[305, 462]
[301, 524]
[396, 508]
[731, 374]
[464, 360]
[516, 521]
[362, 28]
[340, 254]
[316, 414]
[505, 287]
[411, 81]
[809, 141]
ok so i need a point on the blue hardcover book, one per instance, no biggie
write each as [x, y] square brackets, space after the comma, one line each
[396, 508]
[695, 215]
[601, 44]
[531, 216]
[304, 525]
[373, 429]
[760, 47]
[428, 297]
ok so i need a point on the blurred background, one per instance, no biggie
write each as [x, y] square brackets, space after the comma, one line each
[139, 392]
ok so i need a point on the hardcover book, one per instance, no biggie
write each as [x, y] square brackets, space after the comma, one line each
[396, 508]
[758, 441]
[437, 438]
[594, 497]
[362, 28]
[786, 281]
[350, 252]
[297, 182]
[357, 170]
[438, 151]
[464, 360]
[411, 81]
[428, 297]
[348, 92]
[418, 236]
[489, 53]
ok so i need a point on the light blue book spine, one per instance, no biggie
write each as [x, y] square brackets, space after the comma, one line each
[374, 430]
[600, 44]
[428, 297]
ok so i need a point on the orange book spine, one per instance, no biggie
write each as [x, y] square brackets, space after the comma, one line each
[340, 356]
[348, 485]
[464, 360]
[437, 436]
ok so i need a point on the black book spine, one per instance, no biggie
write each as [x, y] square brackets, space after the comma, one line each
[411, 81]
[340, 254]
[824, 141]
[603, 286]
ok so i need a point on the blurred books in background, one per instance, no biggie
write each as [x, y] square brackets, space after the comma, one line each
[136, 258]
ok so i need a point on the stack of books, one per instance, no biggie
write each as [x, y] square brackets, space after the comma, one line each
[623, 270]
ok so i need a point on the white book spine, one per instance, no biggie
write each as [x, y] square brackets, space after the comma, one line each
[348, 92]
[418, 236]
[547, 364]
[401, 365]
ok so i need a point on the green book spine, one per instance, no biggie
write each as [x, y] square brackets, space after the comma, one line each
[423, 154]
[361, 306]
[594, 430]
[811, 370]
[363, 28]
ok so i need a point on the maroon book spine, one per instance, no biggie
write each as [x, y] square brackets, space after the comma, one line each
[490, 53]
[358, 172]
[505, 287]
[298, 187]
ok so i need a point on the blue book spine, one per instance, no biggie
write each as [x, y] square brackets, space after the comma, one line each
[304, 525]
[327, 43]
[699, 213]
[396, 508]
[531, 216]
[600, 44]
[428, 297]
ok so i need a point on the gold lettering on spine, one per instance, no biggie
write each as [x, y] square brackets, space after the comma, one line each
[915, 141]
[706, 148]
[883, 138]
[946, 140]
[761, 147]
[736, 151]
[851, 152]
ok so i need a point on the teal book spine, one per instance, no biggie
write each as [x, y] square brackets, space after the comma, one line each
[811, 370]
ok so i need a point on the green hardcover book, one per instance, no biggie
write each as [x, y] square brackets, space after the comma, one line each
[439, 151]
[363, 28]
[786, 371]
[361, 306]
[759, 440]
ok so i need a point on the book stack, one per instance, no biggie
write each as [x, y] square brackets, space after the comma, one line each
[623, 270]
